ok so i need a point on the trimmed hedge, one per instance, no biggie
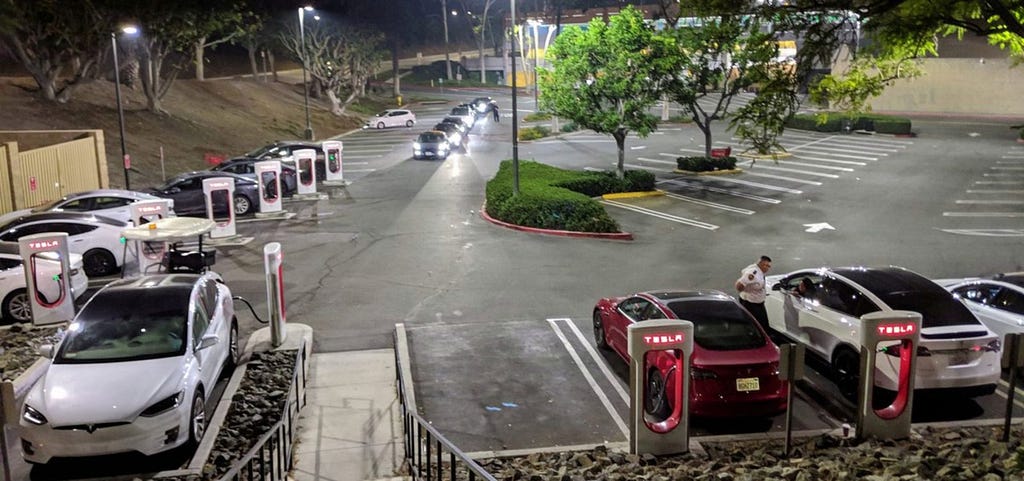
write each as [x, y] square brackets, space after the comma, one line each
[569, 127]
[883, 124]
[534, 133]
[553, 198]
[537, 116]
[705, 164]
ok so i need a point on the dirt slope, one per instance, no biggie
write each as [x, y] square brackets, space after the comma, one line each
[220, 117]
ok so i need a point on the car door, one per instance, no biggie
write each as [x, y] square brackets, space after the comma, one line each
[206, 359]
[113, 207]
[634, 309]
[213, 302]
[12, 277]
[837, 318]
[798, 309]
[982, 298]
[189, 196]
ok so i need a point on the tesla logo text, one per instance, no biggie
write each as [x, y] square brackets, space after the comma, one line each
[656, 339]
[43, 244]
[895, 329]
[219, 185]
[148, 209]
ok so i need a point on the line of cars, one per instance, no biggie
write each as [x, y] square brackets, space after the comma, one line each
[452, 132]
[735, 363]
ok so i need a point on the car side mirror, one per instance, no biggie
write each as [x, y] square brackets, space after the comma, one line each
[777, 286]
[209, 340]
[46, 350]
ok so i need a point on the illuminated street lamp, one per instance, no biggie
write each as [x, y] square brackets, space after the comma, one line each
[128, 30]
[302, 50]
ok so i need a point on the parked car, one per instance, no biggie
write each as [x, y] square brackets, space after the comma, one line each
[453, 133]
[466, 113]
[246, 167]
[111, 203]
[957, 353]
[187, 192]
[15, 305]
[96, 238]
[997, 301]
[283, 151]
[431, 144]
[734, 365]
[484, 105]
[140, 361]
[392, 118]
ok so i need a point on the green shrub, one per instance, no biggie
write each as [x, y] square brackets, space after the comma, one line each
[569, 127]
[705, 164]
[892, 125]
[553, 198]
[537, 117]
[680, 119]
[833, 122]
[534, 133]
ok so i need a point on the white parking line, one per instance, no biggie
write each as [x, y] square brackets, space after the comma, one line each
[828, 151]
[657, 161]
[360, 170]
[1006, 168]
[1013, 157]
[987, 232]
[990, 202]
[713, 205]
[711, 188]
[816, 166]
[856, 148]
[364, 151]
[834, 161]
[1009, 162]
[873, 140]
[614, 381]
[779, 177]
[590, 379]
[763, 186]
[999, 182]
[661, 215]
[995, 191]
[795, 171]
[346, 157]
[646, 167]
[983, 214]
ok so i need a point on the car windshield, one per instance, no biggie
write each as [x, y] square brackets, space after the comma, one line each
[719, 325]
[453, 120]
[128, 325]
[260, 152]
[460, 111]
[430, 137]
[46, 206]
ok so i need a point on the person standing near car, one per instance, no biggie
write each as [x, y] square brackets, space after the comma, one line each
[751, 286]
[494, 109]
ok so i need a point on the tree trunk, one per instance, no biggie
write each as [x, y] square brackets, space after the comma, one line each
[620, 142]
[200, 49]
[335, 103]
[394, 69]
[706, 128]
[251, 49]
[273, 65]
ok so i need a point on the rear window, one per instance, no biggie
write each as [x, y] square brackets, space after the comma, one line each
[937, 309]
[720, 325]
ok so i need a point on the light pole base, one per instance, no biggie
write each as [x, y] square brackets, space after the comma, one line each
[309, 133]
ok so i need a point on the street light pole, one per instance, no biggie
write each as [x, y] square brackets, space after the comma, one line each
[515, 109]
[444, 19]
[302, 49]
[536, 44]
[120, 110]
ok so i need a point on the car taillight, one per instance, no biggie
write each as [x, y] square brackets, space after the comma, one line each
[993, 346]
[894, 350]
[700, 373]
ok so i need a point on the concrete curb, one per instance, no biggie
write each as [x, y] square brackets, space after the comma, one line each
[622, 236]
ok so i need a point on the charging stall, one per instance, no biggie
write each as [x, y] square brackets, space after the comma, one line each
[48, 277]
[149, 253]
[894, 334]
[332, 161]
[656, 346]
[274, 268]
[220, 208]
[305, 168]
[268, 176]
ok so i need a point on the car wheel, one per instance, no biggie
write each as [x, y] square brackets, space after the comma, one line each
[232, 360]
[599, 337]
[16, 307]
[408, 123]
[846, 367]
[197, 418]
[655, 398]
[380, 125]
[98, 263]
[243, 205]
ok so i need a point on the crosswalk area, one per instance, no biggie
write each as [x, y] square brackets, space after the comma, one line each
[993, 203]
[707, 201]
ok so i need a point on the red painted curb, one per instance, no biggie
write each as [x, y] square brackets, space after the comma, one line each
[562, 233]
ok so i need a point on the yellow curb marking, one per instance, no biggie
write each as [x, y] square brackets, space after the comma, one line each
[632, 195]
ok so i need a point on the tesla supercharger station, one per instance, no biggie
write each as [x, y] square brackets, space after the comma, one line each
[47, 269]
[149, 253]
[220, 193]
[332, 161]
[268, 176]
[878, 331]
[305, 168]
[274, 267]
[647, 340]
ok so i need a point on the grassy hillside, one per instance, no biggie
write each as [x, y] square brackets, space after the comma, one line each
[220, 117]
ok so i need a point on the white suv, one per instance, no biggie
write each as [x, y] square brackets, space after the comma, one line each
[956, 351]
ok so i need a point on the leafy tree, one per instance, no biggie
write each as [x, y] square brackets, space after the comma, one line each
[762, 120]
[719, 57]
[607, 77]
[217, 25]
[62, 48]
[867, 76]
[480, 31]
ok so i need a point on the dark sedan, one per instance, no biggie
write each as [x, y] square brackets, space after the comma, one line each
[187, 192]
[284, 150]
[246, 167]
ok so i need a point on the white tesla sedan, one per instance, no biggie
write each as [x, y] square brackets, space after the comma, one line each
[96, 238]
[135, 370]
[957, 353]
[998, 301]
[113, 203]
[14, 299]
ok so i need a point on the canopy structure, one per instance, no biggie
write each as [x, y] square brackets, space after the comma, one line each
[170, 229]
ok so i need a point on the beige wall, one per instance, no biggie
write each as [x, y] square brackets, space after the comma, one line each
[31, 177]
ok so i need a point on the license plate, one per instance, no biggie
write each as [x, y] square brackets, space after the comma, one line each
[746, 384]
[958, 358]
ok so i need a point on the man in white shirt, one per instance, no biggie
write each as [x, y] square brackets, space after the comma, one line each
[751, 286]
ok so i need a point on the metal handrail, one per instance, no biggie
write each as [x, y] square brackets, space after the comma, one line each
[420, 436]
[271, 457]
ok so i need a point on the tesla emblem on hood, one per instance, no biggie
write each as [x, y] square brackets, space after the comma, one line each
[90, 428]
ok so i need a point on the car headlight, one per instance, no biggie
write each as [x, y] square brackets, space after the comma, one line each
[31, 415]
[416, 145]
[444, 145]
[164, 405]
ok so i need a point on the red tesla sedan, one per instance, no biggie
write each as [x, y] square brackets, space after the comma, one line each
[734, 367]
